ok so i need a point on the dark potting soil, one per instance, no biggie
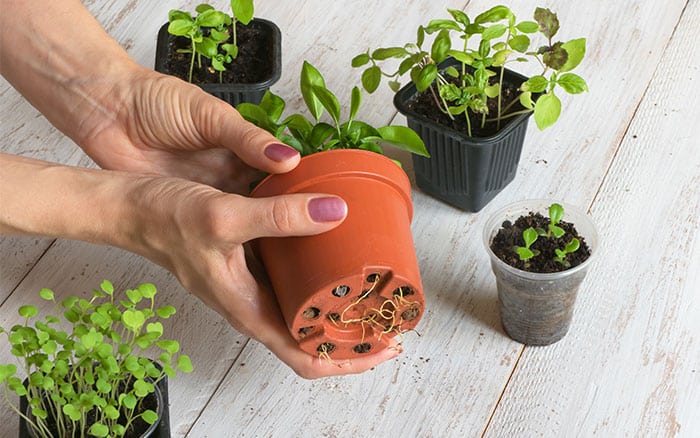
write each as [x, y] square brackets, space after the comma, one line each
[511, 234]
[254, 62]
[424, 103]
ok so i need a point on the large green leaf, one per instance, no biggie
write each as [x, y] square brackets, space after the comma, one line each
[329, 102]
[243, 10]
[311, 77]
[547, 110]
[404, 138]
[576, 50]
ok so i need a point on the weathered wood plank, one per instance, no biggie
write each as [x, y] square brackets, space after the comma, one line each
[631, 366]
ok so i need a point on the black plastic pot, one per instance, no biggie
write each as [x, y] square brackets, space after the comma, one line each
[466, 172]
[162, 429]
[233, 93]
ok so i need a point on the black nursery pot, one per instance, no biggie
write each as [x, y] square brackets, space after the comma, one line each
[162, 429]
[466, 172]
[233, 93]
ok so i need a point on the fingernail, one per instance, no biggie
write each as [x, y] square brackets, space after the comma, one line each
[327, 209]
[280, 152]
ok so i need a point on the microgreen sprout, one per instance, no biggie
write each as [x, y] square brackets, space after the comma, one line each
[556, 213]
[93, 377]
[570, 247]
[525, 252]
[466, 89]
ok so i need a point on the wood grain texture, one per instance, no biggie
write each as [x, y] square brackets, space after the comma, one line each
[630, 364]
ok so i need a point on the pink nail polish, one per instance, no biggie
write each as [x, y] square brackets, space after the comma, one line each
[327, 209]
[280, 152]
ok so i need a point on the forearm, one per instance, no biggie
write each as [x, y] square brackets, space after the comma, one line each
[43, 199]
[57, 55]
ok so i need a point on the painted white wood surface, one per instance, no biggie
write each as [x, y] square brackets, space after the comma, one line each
[629, 367]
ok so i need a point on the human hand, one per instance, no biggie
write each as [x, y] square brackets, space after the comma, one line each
[198, 233]
[161, 125]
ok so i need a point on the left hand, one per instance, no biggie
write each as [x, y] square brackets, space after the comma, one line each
[164, 126]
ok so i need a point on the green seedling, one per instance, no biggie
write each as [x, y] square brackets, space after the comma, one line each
[479, 76]
[209, 33]
[525, 252]
[85, 362]
[570, 247]
[556, 213]
[309, 137]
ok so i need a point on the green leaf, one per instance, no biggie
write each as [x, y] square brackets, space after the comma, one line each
[134, 295]
[497, 13]
[148, 290]
[311, 77]
[442, 25]
[548, 21]
[154, 327]
[210, 18]
[171, 347]
[355, 102]
[329, 101]
[39, 413]
[360, 60]
[111, 412]
[500, 57]
[203, 7]
[180, 27]
[175, 14]
[46, 294]
[142, 388]
[459, 16]
[7, 371]
[371, 78]
[576, 50]
[493, 32]
[528, 27]
[556, 231]
[389, 52]
[27, 311]
[425, 77]
[149, 416]
[535, 84]
[71, 411]
[462, 57]
[208, 47]
[166, 311]
[107, 287]
[524, 253]
[572, 246]
[529, 236]
[520, 43]
[243, 10]
[547, 110]
[556, 213]
[404, 138]
[184, 364]
[441, 45]
[133, 319]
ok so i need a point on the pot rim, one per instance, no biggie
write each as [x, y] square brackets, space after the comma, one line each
[406, 93]
[395, 177]
[578, 217]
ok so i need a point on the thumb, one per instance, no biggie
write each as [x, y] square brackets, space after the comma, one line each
[299, 214]
[225, 127]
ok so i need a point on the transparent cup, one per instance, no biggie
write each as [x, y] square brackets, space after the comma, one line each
[536, 309]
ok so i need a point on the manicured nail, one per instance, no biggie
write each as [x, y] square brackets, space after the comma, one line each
[327, 209]
[280, 152]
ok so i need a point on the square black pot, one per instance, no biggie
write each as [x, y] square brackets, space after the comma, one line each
[466, 172]
[233, 93]
[162, 431]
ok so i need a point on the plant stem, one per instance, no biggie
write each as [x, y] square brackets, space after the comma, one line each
[189, 78]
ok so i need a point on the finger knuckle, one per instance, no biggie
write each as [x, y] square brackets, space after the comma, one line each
[281, 216]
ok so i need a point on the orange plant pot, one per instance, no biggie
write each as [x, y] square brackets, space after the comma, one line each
[346, 292]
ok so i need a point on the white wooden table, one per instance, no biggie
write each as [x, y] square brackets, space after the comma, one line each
[628, 151]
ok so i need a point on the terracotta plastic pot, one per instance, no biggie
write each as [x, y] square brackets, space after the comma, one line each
[346, 292]
[536, 309]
